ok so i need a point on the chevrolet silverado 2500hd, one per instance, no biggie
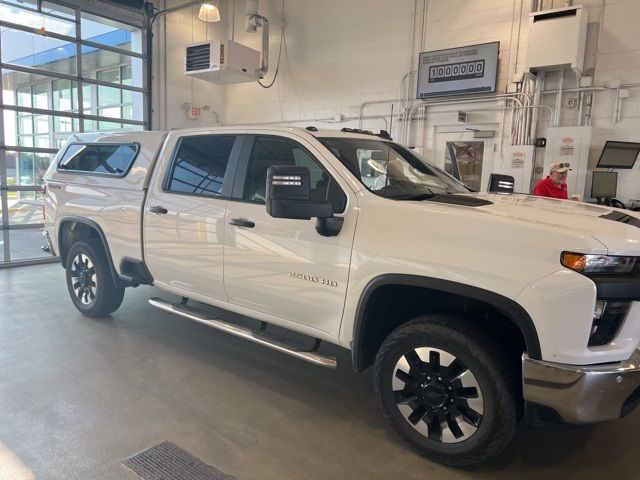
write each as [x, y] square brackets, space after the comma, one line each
[468, 306]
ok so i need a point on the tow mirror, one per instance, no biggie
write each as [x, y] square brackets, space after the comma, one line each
[289, 196]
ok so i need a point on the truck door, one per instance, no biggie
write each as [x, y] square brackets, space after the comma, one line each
[283, 267]
[184, 216]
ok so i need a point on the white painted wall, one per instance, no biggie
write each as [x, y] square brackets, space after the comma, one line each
[339, 54]
[336, 55]
[171, 87]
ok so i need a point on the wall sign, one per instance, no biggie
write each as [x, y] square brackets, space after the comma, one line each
[517, 159]
[566, 147]
[456, 71]
[194, 112]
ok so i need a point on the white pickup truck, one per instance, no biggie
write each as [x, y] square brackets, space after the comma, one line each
[473, 309]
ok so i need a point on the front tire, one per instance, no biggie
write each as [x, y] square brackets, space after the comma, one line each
[447, 388]
[89, 281]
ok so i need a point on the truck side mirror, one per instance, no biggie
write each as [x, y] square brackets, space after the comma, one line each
[289, 196]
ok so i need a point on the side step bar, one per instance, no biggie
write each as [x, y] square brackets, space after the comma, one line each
[276, 343]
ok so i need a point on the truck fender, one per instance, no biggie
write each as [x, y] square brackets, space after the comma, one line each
[105, 245]
[509, 308]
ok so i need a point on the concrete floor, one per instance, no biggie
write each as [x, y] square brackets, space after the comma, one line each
[77, 395]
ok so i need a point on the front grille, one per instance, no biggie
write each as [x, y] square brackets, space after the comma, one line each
[605, 328]
[198, 57]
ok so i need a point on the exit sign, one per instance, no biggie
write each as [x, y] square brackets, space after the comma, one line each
[194, 112]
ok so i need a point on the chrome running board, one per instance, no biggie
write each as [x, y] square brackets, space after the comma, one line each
[280, 344]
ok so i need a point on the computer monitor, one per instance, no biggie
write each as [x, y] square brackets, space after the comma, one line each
[618, 155]
[604, 184]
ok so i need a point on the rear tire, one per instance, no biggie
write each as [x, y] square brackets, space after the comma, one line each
[89, 281]
[448, 389]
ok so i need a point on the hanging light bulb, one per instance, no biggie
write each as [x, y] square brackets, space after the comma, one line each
[209, 12]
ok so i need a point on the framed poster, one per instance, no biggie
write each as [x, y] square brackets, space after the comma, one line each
[458, 71]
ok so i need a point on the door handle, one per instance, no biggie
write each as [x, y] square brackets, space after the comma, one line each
[159, 210]
[239, 222]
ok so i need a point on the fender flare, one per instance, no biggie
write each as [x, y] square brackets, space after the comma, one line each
[90, 223]
[509, 308]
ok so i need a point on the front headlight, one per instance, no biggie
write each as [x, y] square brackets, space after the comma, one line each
[597, 263]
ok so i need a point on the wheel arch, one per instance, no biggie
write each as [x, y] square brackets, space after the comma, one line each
[369, 332]
[73, 228]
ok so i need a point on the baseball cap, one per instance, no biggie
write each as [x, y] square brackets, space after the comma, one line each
[560, 167]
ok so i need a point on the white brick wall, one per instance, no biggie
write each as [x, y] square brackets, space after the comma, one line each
[172, 91]
[340, 54]
[617, 60]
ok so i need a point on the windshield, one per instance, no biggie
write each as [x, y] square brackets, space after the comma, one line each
[392, 171]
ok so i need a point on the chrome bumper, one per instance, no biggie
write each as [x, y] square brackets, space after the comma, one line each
[583, 393]
[48, 248]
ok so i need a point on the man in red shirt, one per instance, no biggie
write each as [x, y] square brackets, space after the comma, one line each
[555, 185]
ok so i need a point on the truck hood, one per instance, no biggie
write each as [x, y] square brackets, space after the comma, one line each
[616, 229]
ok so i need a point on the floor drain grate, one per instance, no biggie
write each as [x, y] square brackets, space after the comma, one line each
[167, 461]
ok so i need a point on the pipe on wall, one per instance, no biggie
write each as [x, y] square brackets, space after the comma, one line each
[556, 121]
[374, 102]
[537, 94]
[458, 102]
[312, 120]
[489, 109]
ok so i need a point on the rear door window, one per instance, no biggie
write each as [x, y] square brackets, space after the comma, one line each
[99, 158]
[200, 165]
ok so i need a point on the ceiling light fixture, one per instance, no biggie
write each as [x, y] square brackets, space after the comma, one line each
[209, 12]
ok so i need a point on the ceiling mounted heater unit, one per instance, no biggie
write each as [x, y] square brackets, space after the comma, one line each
[222, 61]
[557, 39]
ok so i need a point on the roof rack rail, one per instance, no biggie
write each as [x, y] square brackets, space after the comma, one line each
[383, 133]
[356, 130]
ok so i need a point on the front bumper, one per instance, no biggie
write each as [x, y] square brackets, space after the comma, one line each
[583, 393]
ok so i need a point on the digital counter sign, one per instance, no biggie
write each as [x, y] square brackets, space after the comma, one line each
[458, 71]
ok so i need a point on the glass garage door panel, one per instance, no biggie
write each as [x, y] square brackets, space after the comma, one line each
[37, 51]
[119, 103]
[25, 208]
[27, 130]
[109, 32]
[45, 99]
[42, 91]
[26, 169]
[97, 60]
[26, 244]
[51, 19]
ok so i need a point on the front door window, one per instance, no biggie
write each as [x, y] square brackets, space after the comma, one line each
[268, 151]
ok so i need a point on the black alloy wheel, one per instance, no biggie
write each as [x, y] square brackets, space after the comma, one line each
[84, 279]
[89, 280]
[438, 395]
[449, 389]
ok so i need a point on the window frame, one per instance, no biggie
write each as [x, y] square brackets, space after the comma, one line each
[83, 117]
[243, 169]
[229, 173]
[100, 174]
